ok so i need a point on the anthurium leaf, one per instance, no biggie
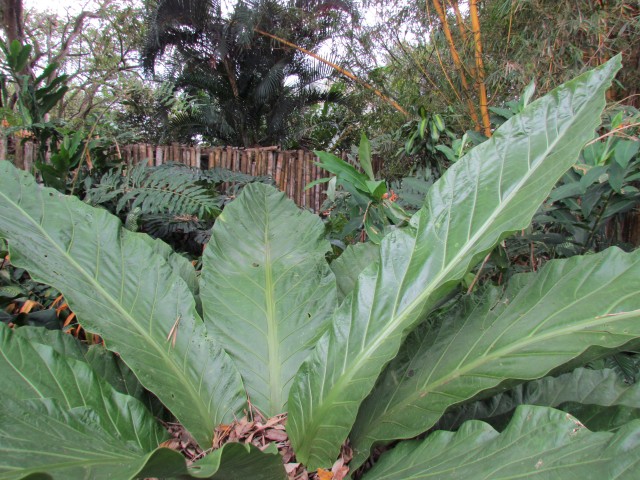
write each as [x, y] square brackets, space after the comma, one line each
[601, 419]
[538, 443]
[563, 310]
[122, 291]
[267, 291]
[238, 461]
[494, 190]
[582, 386]
[32, 370]
[43, 438]
[350, 264]
[180, 264]
[64, 344]
[103, 362]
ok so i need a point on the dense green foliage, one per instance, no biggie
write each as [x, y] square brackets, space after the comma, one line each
[358, 350]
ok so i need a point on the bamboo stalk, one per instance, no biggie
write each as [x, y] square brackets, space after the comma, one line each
[480, 74]
[300, 178]
[457, 62]
[278, 177]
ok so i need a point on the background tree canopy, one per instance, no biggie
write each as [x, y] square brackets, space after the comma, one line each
[245, 89]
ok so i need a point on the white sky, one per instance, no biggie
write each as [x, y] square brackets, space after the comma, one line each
[58, 6]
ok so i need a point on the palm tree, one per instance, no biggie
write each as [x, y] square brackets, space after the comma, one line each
[246, 88]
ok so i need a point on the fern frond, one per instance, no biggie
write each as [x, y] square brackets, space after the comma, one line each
[168, 189]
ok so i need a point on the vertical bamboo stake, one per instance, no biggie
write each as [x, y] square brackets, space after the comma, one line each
[175, 152]
[3, 145]
[19, 155]
[480, 83]
[255, 165]
[28, 155]
[269, 167]
[211, 158]
[278, 178]
[307, 173]
[291, 178]
[300, 178]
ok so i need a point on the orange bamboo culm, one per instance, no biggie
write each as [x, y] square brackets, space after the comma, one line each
[480, 83]
[338, 68]
[456, 61]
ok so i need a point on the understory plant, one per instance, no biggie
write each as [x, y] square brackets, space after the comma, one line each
[350, 354]
[357, 203]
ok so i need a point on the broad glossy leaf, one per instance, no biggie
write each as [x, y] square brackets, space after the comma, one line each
[267, 291]
[364, 156]
[35, 371]
[238, 461]
[601, 419]
[103, 362]
[343, 170]
[582, 386]
[43, 436]
[348, 266]
[538, 443]
[569, 306]
[494, 190]
[126, 294]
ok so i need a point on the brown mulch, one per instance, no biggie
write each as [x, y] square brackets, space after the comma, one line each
[261, 432]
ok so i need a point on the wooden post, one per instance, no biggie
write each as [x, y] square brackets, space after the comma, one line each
[158, 161]
[271, 164]
[307, 170]
[300, 178]
[175, 152]
[3, 145]
[278, 179]
[211, 159]
[19, 155]
[28, 156]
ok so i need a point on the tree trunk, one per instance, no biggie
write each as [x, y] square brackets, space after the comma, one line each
[13, 20]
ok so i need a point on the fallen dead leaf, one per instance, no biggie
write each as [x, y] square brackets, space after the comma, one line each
[324, 474]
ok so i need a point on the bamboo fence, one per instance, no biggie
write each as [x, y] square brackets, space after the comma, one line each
[291, 170]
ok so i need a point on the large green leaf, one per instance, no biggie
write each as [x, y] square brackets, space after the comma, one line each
[581, 386]
[103, 362]
[538, 443]
[267, 291]
[348, 266]
[238, 461]
[126, 294]
[569, 306]
[44, 387]
[35, 371]
[494, 190]
[43, 436]
[598, 418]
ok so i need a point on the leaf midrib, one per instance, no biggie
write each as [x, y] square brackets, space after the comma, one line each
[385, 333]
[502, 352]
[273, 342]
